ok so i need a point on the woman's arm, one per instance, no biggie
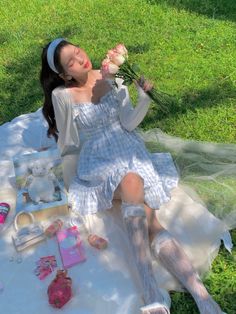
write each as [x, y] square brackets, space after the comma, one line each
[68, 137]
[131, 117]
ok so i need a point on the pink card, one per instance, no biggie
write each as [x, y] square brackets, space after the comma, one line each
[70, 246]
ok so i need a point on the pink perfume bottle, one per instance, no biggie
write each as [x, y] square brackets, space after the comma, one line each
[4, 210]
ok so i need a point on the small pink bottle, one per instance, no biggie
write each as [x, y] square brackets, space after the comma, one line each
[53, 228]
[4, 210]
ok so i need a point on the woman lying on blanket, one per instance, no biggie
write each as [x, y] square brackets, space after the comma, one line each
[86, 112]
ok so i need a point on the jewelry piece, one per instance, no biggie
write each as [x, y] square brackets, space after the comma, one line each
[19, 259]
[16, 257]
[11, 259]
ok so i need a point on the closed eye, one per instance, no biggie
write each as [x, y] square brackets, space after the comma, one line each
[70, 64]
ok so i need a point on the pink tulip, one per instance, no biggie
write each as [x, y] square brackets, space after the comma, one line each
[113, 68]
[111, 53]
[120, 48]
[109, 68]
[115, 57]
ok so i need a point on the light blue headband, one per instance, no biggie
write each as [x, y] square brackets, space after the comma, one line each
[50, 53]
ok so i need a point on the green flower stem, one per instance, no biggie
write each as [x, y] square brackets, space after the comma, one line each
[128, 75]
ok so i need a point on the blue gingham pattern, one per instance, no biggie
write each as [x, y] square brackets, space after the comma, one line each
[108, 153]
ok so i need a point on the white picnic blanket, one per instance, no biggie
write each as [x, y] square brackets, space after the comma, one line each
[107, 281]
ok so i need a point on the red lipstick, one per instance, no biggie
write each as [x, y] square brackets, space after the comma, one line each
[86, 65]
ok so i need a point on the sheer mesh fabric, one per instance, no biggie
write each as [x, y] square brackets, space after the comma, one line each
[207, 170]
[138, 236]
[174, 259]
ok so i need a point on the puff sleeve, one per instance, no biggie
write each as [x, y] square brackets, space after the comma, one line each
[131, 117]
[68, 137]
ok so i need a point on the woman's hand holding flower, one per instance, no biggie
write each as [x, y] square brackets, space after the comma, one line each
[144, 84]
[116, 65]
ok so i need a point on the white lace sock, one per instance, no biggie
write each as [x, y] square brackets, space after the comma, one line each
[136, 225]
[174, 259]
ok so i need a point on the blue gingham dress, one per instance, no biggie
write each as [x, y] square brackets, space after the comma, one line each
[108, 153]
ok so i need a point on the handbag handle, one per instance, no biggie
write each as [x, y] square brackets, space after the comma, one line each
[21, 213]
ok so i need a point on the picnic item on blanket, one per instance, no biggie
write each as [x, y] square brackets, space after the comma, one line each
[60, 290]
[45, 266]
[53, 228]
[16, 258]
[4, 210]
[28, 235]
[97, 242]
[70, 246]
[40, 184]
[7, 195]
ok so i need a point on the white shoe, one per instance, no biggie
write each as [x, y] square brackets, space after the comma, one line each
[154, 306]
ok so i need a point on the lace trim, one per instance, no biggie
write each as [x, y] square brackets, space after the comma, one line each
[132, 210]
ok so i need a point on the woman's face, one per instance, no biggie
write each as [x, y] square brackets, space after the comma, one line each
[75, 61]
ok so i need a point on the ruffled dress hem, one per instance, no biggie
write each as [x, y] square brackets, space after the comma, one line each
[92, 199]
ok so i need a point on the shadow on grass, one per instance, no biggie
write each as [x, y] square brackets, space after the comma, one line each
[216, 9]
[182, 302]
[20, 89]
[193, 99]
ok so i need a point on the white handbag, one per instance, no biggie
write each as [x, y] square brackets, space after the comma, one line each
[28, 235]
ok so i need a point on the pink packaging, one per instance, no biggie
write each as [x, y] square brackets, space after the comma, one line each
[4, 210]
[70, 246]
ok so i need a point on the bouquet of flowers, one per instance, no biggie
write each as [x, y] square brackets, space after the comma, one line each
[116, 64]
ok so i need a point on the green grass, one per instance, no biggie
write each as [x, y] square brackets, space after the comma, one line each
[186, 47]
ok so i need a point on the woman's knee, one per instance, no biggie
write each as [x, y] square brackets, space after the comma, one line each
[131, 188]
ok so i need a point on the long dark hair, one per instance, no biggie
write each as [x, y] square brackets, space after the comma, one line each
[50, 80]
